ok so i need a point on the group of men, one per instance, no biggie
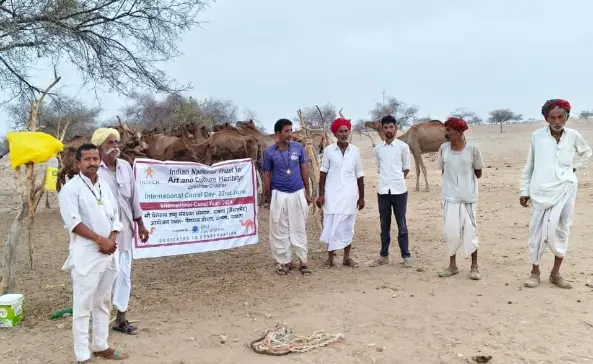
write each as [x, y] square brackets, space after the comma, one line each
[100, 208]
[548, 181]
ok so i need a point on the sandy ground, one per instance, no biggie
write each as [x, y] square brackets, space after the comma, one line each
[184, 303]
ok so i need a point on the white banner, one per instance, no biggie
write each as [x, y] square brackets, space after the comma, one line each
[192, 208]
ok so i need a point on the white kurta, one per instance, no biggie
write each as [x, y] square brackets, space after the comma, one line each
[341, 195]
[123, 187]
[459, 194]
[93, 272]
[549, 181]
[288, 225]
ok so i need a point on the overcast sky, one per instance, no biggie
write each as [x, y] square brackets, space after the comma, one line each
[275, 56]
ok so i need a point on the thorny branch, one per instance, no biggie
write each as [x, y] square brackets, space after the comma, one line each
[112, 43]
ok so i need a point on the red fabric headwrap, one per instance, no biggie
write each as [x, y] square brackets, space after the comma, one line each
[339, 122]
[456, 123]
[550, 104]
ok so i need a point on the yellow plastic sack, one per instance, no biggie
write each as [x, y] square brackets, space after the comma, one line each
[51, 174]
[31, 146]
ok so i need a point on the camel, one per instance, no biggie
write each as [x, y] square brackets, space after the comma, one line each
[132, 147]
[426, 137]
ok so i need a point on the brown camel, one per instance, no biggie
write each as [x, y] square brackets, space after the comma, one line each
[426, 137]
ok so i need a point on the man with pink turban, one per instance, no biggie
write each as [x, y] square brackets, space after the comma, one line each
[461, 166]
[550, 183]
[341, 192]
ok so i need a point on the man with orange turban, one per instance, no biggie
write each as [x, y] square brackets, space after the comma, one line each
[341, 192]
[550, 183]
[461, 166]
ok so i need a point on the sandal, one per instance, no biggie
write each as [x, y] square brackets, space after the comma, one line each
[560, 282]
[283, 269]
[448, 273]
[88, 361]
[304, 270]
[329, 264]
[126, 328]
[111, 354]
[350, 263]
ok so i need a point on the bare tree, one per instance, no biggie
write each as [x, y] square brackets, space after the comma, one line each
[585, 115]
[316, 117]
[55, 114]
[174, 109]
[215, 111]
[423, 119]
[111, 43]
[469, 116]
[391, 106]
[360, 129]
[501, 116]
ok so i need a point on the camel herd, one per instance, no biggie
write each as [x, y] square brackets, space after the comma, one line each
[191, 142]
[194, 142]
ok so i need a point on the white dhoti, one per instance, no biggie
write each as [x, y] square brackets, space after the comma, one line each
[122, 287]
[91, 293]
[338, 231]
[550, 227]
[288, 225]
[460, 227]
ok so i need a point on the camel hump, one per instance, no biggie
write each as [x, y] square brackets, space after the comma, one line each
[436, 121]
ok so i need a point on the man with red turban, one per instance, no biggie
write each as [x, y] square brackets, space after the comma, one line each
[550, 183]
[461, 166]
[341, 192]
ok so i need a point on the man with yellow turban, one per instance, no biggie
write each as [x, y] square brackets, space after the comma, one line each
[550, 183]
[120, 178]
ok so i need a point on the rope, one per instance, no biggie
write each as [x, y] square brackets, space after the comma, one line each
[282, 341]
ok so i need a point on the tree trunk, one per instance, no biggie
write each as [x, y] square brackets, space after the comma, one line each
[501, 127]
[12, 241]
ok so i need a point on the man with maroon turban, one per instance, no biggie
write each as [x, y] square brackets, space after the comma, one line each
[461, 166]
[341, 192]
[550, 183]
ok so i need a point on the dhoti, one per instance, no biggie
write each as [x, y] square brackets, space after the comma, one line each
[288, 225]
[550, 227]
[338, 230]
[91, 293]
[459, 227]
[122, 287]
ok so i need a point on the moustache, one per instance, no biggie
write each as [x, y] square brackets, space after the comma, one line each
[114, 151]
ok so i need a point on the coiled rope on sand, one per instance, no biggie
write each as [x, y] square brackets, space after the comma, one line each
[281, 340]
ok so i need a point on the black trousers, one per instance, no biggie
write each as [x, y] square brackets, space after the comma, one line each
[398, 203]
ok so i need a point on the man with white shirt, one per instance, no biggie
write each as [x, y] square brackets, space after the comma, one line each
[550, 183]
[461, 166]
[118, 174]
[393, 162]
[341, 192]
[91, 214]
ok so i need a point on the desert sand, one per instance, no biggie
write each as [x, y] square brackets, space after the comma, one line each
[387, 314]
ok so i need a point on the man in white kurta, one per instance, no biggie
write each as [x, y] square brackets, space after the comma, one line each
[461, 165]
[118, 174]
[341, 192]
[550, 183]
[91, 215]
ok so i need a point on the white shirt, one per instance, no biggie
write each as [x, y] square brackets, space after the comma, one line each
[548, 171]
[122, 185]
[392, 159]
[79, 205]
[341, 186]
[459, 183]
